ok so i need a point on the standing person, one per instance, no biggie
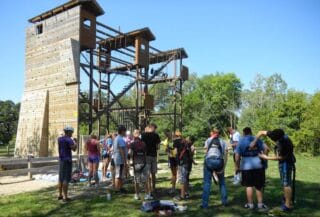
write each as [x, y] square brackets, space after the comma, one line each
[184, 157]
[234, 139]
[215, 161]
[66, 144]
[189, 142]
[129, 139]
[285, 156]
[172, 159]
[119, 156]
[112, 165]
[152, 141]
[140, 167]
[252, 168]
[106, 154]
[93, 151]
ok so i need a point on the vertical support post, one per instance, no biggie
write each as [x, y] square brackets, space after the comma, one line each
[146, 92]
[99, 105]
[137, 98]
[175, 98]
[29, 166]
[90, 91]
[108, 102]
[181, 97]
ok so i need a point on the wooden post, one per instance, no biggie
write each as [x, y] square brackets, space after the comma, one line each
[29, 166]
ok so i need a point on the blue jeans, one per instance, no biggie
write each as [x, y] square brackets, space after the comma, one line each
[211, 165]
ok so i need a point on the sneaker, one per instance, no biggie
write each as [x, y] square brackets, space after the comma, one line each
[187, 195]
[66, 200]
[148, 197]
[284, 208]
[249, 206]
[204, 207]
[179, 198]
[136, 197]
[262, 208]
[60, 198]
[123, 190]
[172, 191]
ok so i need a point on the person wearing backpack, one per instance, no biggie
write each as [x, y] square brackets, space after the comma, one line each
[252, 169]
[183, 158]
[172, 159]
[215, 161]
[285, 156]
[140, 167]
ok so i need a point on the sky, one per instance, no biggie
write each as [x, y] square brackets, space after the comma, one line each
[246, 37]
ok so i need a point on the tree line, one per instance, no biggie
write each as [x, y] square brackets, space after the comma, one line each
[220, 100]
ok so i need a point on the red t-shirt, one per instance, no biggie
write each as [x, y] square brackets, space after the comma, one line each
[92, 147]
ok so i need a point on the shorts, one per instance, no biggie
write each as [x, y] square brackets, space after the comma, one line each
[183, 174]
[253, 178]
[119, 171]
[141, 176]
[152, 163]
[112, 162]
[93, 159]
[105, 155]
[285, 171]
[173, 162]
[65, 170]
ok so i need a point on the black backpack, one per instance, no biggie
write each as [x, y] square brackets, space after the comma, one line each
[216, 141]
[139, 154]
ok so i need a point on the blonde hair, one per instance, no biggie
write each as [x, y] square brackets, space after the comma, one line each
[136, 133]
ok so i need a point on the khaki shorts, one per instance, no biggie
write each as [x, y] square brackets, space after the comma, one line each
[183, 174]
[141, 176]
[152, 164]
[119, 171]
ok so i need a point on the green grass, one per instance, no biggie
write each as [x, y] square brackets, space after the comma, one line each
[89, 203]
[4, 151]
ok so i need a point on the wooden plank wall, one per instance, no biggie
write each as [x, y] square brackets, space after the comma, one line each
[52, 79]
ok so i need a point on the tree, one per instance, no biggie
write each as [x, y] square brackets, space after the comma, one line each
[262, 103]
[210, 103]
[9, 115]
[308, 137]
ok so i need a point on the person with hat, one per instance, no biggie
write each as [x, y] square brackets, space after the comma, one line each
[66, 144]
[285, 157]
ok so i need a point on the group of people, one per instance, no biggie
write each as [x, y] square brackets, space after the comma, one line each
[250, 158]
[140, 150]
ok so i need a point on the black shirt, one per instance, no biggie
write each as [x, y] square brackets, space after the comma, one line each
[285, 149]
[151, 140]
[180, 144]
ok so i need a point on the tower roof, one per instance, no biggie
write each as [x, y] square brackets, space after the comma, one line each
[90, 5]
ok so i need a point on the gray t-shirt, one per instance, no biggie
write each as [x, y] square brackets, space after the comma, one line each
[119, 142]
[214, 150]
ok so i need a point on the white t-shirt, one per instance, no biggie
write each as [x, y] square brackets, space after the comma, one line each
[236, 137]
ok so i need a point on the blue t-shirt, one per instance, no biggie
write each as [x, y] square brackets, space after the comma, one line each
[250, 159]
[119, 142]
[65, 144]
